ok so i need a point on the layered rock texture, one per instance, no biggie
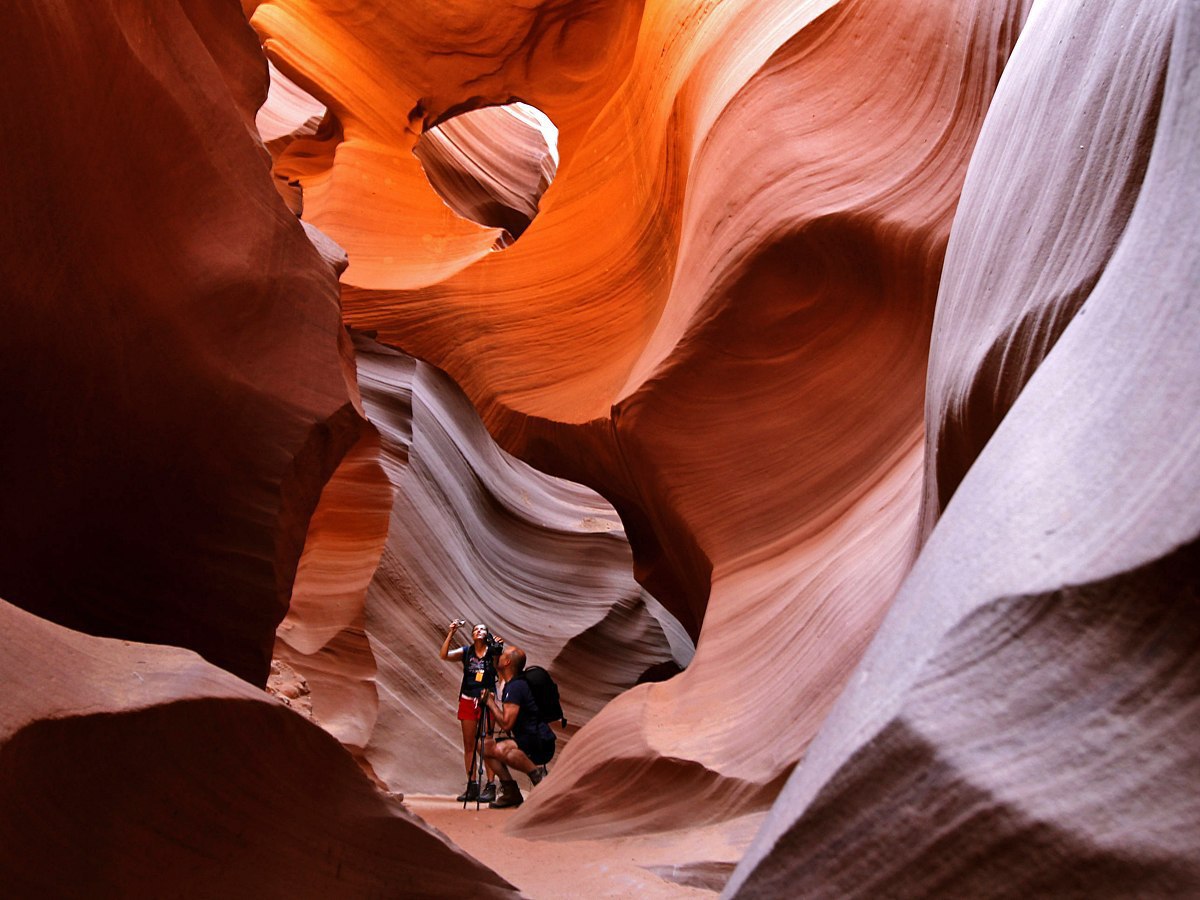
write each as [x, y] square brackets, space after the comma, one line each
[835, 407]
[492, 165]
[711, 252]
[1025, 721]
[177, 389]
[140, 771]
[480, 535]
[183, 435]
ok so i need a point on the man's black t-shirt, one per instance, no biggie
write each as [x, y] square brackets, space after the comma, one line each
[517, 691]
[479, 672]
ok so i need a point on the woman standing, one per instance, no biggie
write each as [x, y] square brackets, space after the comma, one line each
[479, 674]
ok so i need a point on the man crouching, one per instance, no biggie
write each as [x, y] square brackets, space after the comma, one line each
[532, 743]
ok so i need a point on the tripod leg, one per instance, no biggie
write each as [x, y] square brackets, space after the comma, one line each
[481, 768]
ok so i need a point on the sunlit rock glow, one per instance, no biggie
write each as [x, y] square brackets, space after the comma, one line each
[810, 386]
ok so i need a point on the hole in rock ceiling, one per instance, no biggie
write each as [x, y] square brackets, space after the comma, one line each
[289, 111]
[289, 115]
[492, 165]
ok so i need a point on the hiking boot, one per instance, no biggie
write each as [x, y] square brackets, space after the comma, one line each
[471, 793]
[536, 776]
[510, 795]
[488, 794]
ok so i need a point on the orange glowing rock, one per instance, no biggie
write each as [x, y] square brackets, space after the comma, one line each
[719, 318]
[388, 71]
[904, 458]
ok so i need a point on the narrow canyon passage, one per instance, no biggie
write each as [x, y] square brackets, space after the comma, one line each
[809, 387]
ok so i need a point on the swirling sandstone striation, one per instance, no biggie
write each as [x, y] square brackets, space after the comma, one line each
[322, 634]
[288, 115]
[388, 71]
[478, 534]
[492, 165]
[1026, 720]
[795, 330]
[177, 386]
[1072, 195]
[719, 319]
[138, 771]
[288, 112]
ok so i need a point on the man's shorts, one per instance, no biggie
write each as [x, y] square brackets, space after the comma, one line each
[539, 749]
[468, 708]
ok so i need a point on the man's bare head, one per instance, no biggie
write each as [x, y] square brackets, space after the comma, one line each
[512, 660]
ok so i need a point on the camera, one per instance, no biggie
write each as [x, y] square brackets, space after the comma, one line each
[495, 645]
[460, 622]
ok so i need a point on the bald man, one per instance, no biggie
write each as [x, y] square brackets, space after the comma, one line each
[532, 743]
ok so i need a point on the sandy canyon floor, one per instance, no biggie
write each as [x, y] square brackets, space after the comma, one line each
[617, 867]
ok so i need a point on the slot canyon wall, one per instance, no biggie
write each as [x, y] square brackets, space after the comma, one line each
[180, 404]
[478, 534]
[827, 426]
[1025, 721]
[711, 251]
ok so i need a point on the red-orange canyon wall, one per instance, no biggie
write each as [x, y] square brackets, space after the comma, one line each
[719, 318]
[131, 770]
[179, 406]
[176, 390]
[873, 320]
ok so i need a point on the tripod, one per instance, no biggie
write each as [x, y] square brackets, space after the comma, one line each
[478, 764]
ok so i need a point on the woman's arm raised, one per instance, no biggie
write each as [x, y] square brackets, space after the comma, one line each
[446, 652]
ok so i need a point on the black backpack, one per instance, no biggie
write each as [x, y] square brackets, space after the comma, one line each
[545, 695]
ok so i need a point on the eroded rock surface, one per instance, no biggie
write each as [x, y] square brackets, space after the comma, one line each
[289, 114]
[134, 771]
[387, 72]
[492, 165]
[1012, 283]
[177, 389]
[1026, 720]
[480, 535]
[719, 319]
[722, 320]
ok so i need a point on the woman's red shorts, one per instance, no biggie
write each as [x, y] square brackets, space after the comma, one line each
[468, 709]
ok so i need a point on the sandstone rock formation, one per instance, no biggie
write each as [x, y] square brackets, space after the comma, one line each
[478, 534]
[176, 391]
[1025, 722]
[183, 435]
[492, 165]
[388, 71]
[869, 326]
[139, 771]
[1040, 218]
[730, 295]
[289, 114]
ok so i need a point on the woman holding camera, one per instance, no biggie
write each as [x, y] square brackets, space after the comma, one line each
[479, 674]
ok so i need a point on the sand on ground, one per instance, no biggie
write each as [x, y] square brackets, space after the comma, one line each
[696, 861]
